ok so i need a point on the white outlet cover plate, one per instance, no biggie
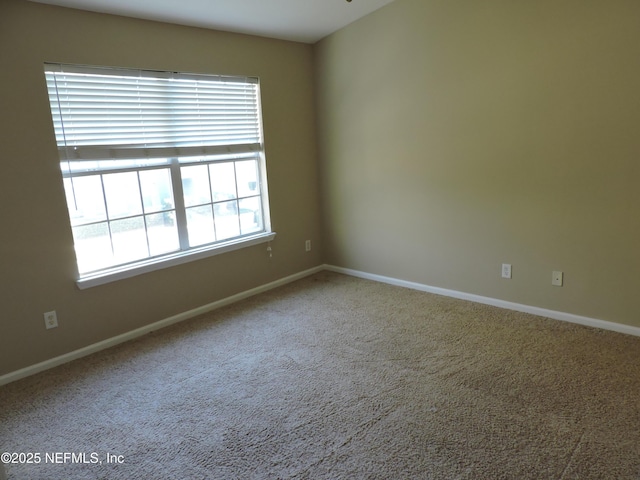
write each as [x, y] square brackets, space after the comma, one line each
[556, 278]
[50, 319]
[506, 270]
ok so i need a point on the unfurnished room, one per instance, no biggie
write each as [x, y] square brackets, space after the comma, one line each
[304, 239]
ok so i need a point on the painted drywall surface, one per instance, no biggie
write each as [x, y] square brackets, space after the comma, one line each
[456, 136]
[36, 251]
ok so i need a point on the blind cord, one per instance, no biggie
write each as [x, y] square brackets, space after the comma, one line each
[64, 139]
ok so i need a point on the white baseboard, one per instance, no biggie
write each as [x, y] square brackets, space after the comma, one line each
[110, 342]
[541, 312]
[96, 347]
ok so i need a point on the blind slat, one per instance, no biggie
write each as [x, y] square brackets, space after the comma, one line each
[107, 152]
[114, 113]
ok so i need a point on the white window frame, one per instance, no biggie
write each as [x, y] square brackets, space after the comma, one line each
[172, 154]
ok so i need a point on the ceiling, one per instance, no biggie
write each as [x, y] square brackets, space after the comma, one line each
[298, 20]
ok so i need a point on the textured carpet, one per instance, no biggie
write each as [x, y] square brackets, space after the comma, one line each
[335, 377]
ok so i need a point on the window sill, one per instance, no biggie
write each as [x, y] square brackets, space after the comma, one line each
[132, 270]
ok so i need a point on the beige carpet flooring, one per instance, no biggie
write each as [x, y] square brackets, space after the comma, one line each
[334, 377]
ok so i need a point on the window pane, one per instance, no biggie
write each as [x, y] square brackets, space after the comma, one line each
[157, 194]
[123, 194]
[93, 247]
[250, 215]
[162, 231]
[200, 225]
[247, 174]
[223, 181]
[85, 200]
[195, 185]
[129, 239]
[226, 216]
[131, 140]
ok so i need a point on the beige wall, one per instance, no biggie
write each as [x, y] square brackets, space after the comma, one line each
[459, 135]
[454, 136]
[36, 253]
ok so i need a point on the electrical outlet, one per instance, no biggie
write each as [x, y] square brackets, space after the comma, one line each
[556, 279]
[506, 270]
[50, 319]
[307, 246]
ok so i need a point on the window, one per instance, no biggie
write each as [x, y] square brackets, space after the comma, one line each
[158, 167]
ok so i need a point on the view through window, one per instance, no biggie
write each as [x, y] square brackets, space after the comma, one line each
[157, 164]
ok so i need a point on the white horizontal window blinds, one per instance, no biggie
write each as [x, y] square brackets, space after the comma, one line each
[105, 113]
